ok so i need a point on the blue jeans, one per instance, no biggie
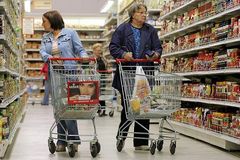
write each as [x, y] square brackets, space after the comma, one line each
[71, 127]
[47, 85]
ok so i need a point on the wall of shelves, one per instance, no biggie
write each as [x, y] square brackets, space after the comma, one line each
[12, 78]
[200, 42]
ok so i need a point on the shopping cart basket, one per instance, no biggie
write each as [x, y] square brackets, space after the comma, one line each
[75, 95]
[107, 92]
[149, 94]
[33, 91]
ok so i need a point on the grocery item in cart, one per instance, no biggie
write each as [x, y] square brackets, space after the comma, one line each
[141, 92]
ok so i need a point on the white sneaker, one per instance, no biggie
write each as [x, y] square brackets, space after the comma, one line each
[142, 148]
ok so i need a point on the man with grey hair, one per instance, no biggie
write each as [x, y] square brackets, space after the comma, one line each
[134, 40]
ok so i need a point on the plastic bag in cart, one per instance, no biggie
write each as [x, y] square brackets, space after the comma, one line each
[141, 92]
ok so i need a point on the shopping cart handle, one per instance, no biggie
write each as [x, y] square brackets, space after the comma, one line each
[104, 71]
[71, 59]
[136, 60]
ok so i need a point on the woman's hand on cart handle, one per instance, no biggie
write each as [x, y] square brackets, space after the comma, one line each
[72, 59]
[137, 60]
[154, 56]
[128, 56]
[104, 71]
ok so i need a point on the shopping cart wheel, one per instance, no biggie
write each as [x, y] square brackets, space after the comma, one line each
[93, 149]
[111, 113]
[172, 147]
[51, 147]
[120, 144]
[71, 150]
[98, 147]
[159, 145]
[153, 147]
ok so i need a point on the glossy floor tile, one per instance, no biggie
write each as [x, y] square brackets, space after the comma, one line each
[30, 142]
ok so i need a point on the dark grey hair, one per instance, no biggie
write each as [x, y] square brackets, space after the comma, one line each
[134, 8]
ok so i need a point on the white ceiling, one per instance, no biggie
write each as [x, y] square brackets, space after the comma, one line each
[75, 7]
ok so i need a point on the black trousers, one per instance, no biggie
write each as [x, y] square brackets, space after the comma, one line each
[137, 127]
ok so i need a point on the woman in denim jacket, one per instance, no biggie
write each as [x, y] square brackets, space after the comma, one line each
[65, 43]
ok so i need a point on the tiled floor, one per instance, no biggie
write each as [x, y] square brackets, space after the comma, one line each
[30, 142]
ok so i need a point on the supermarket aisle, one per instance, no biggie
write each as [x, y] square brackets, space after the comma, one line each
[31, 142]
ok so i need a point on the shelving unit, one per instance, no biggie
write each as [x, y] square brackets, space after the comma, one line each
[12, 76]
[110, 26]
[201, 37]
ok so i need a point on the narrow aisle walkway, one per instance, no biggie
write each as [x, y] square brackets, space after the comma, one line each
[31, 142]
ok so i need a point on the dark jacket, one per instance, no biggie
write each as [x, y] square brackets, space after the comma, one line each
[123, 41]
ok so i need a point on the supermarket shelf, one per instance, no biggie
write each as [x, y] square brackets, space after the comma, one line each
[13, 73]
[29, 68]
[5, 143]
[33, 59]
[78, 29]
[198, 24]
[8, 101]
[35, 78]
[3, 8]
[125, 7]
[32, 50]
[190, 4]
[112, 20]
[211, 72]
[154, 10]
[125, 20]
[3, 147]
[7, 43]
[212, 101]
[214, 138]
[211, 45]
[157, 27]
[108, 33]
[33, 39]
[93, 40]
[90, 29]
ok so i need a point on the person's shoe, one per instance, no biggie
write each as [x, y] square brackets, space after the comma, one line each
[60, 148]
[142, 148]
[104, 113]
[44, 104]
[76, 147]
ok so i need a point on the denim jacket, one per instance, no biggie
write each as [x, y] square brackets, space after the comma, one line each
[69, 45]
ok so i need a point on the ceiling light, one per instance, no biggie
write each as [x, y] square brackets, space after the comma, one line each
[27, 5]
[107, 6]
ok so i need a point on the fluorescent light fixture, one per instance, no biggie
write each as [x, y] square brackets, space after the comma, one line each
[107, 6]
[27, 5]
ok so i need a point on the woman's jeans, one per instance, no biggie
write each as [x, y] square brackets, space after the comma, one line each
[47, 85]
[71, 128]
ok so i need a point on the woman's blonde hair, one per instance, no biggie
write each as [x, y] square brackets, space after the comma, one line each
[97, 45]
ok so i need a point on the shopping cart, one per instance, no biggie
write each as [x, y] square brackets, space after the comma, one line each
[149, 94]
[33, 91]
[75, 95]
[107, 93]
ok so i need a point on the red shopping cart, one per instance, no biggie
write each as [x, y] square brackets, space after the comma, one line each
[148, 93]
[75, 96]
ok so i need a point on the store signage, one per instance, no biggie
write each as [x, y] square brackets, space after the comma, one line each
[28, 26]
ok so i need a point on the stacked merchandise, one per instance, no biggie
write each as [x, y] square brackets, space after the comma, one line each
[224, 123]
[12, 82]
[201, 42]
